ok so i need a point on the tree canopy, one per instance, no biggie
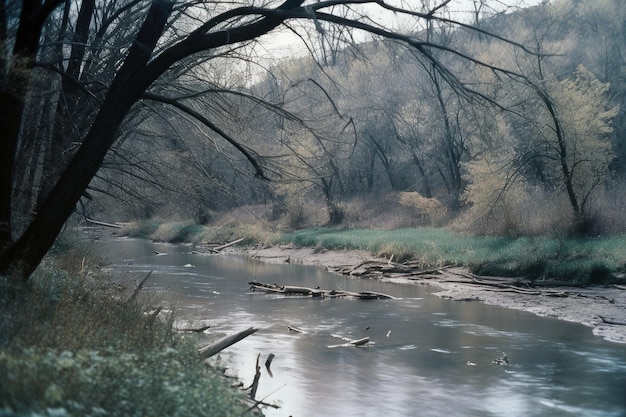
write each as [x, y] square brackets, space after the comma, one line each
[97, 94]
[73, 72]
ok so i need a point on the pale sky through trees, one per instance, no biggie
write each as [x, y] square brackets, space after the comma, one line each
[283, 43]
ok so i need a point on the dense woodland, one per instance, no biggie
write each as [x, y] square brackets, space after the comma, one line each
[509, 122]
[370, 134]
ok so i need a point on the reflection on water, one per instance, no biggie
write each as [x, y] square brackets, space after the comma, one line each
[429, 357]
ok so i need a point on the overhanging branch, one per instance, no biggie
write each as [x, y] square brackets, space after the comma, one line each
[175, 103]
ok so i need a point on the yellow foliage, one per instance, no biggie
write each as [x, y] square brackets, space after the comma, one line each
[486, 187]
[586, 119]
[428, 208]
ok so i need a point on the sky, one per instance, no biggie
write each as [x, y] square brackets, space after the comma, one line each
[284, 44]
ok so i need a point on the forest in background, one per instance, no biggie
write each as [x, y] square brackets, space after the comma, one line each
[370, 134]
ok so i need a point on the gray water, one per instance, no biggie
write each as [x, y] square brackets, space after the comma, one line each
[430, 357]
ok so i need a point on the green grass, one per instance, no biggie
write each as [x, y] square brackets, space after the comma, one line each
[582, 261]
[578, 260]
[71, 345]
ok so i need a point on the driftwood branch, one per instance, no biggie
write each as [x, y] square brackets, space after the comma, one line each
[295, 329]
[99, 223]
[233, 243]
[257, 377]
[133, 296]
[451, 273]
[217, 249]
[611, 321]
[223, 343]
[316, 292]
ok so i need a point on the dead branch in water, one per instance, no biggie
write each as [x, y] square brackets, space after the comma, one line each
[295, 329]
[316, 292]
[268, 363]
[257, 377]
[223, 343]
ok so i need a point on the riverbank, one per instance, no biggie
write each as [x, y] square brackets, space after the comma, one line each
[602, 308]
[72, 343]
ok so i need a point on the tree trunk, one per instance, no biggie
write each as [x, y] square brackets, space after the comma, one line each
[20, 259]
[139, 70]
[17, 80]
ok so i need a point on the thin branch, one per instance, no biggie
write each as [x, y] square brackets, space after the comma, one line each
[175, 103]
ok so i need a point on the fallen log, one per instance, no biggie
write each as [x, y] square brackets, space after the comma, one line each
[285, 289]
[223, 343]
[227, 245]
[375, 296]
[274, 288]
[317, 292]
[294, 290]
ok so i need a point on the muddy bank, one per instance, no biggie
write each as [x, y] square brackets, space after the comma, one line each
[601, 308]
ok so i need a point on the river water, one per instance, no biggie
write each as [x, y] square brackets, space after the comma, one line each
[429, 357]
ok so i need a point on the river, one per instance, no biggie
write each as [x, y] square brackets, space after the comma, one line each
[429, 357]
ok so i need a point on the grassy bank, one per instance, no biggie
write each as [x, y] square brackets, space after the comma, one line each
[70, 345]
[189, 232]
[582, 261]
[579, 260]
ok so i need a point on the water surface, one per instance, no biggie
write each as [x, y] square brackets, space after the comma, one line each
[430, 357]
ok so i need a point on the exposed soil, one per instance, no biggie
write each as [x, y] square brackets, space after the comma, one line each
[601, 308]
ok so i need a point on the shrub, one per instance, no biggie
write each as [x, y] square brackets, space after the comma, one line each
[169, 231]
[429, 210]
[387, 211]
[141, 229]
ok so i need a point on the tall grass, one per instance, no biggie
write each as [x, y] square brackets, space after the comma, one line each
[72, 346]
[579, 260]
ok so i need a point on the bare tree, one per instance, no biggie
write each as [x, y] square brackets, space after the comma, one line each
[126, 61]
